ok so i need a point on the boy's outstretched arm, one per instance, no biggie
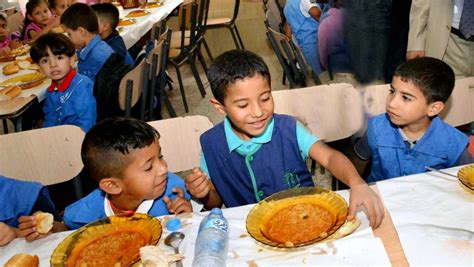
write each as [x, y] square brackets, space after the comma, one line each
[360, 193]
[200, 187]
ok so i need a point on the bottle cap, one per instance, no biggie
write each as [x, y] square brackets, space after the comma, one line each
[173, 224]
[216, 211]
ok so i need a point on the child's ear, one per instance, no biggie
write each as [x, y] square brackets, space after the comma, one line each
[218, 106]
[28, 16]
[111, 185]
[435, 108]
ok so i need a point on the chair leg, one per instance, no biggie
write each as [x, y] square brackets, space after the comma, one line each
[208, 51]
[202, 60]
[233, 36]
[192, 64]
[181, 88]
[5, 126]
[238, 36]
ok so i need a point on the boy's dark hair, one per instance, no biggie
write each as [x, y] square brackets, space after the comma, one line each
[234, 65]
[432, 76]
[80, 15]
[106, 144]
[107, 12]
[58, 43]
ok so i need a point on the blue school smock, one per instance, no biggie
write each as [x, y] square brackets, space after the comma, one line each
[91, 207]
[92, 57]
[17, 199]
[305, 30]
[276, 165]
[439, 148]
[75, 105]
[115, 41]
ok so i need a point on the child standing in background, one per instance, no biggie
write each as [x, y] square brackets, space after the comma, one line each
[108, 16]
[38, 20]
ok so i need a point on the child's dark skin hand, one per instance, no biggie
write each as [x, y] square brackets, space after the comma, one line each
[7, 234]
[27, 228]
[179, 204]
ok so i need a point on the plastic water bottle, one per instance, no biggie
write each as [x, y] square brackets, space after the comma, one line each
[212, 241]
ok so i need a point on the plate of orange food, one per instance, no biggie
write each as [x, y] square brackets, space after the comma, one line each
[113, 241]
[126, 22]
[299, 217]
[137, 13]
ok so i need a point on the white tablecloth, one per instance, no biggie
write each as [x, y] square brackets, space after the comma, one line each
[132, 33]
[434, 217]
[360, 248]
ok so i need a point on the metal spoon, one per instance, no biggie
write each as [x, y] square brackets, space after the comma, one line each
[173, 240]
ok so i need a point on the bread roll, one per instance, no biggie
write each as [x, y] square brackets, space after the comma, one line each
[10, 69]
[45, 222]
[11, 91]
[23, 260]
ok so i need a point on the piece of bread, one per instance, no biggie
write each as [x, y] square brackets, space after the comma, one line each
[10, 69]
[45, 222]
[11, 91]
[23, 260]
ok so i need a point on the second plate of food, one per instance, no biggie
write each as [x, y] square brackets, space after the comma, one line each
[297, 217]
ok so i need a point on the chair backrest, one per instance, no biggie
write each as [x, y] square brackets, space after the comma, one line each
[15, 21]
[48, 155]
[135, 77]
[274, 15]
[179, 140]
[332, 112]
[298, 72]
[458, 110]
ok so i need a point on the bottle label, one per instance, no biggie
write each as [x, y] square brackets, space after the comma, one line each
[218, 224]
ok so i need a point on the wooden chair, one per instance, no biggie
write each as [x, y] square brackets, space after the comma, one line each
[229, 23]
[48, 155]
[295, 68]
[158, 57]
[188, 15]
[331, 112]
[133, 86]
[179, 140]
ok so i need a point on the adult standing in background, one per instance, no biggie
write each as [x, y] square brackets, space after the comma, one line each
[443, 29]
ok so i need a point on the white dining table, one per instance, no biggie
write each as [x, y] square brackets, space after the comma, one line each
[132, 33]
[430, 213]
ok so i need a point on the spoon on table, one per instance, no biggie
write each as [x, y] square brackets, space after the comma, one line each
[442, 172]
[173, 240]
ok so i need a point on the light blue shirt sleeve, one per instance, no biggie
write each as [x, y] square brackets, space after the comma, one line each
[305, 140]
[204, 165]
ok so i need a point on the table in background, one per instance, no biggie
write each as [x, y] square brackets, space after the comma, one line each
[132, 33]
[13, 109]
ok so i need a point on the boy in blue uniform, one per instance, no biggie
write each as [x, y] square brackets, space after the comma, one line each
[69, 98]
[82, 26]
[124, 156]
[20, 198]
[108, 16]
[410, 136]
[255, 153]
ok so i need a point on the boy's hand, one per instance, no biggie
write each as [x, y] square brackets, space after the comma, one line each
[179, 204]
[7, 234]
[198, 183]
[27, 228]
[363, 195]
